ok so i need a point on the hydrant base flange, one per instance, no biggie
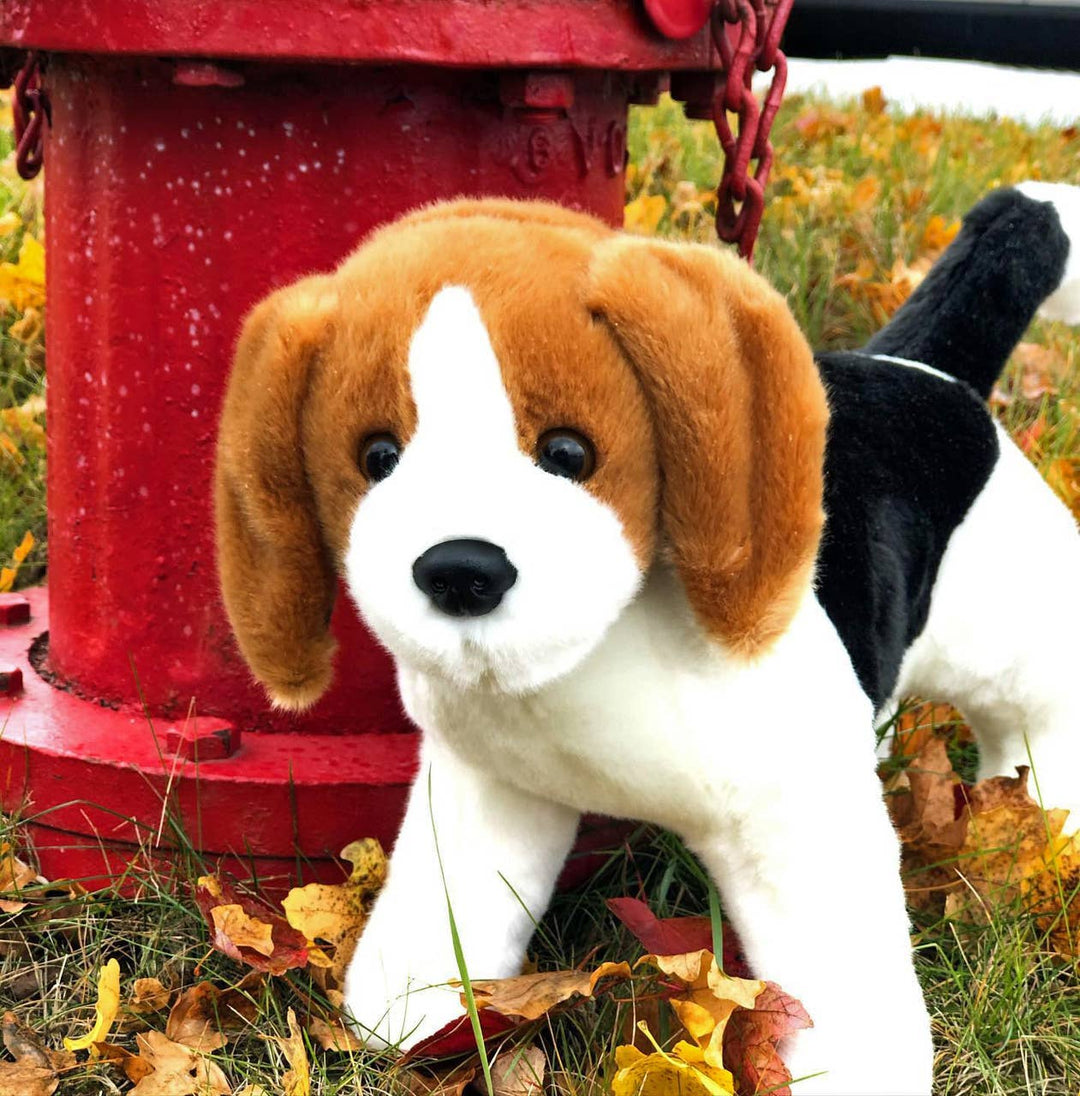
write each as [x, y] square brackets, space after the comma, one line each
[95, 785]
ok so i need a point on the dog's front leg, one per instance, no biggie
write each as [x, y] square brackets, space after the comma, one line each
[501, 851]
[812, 884]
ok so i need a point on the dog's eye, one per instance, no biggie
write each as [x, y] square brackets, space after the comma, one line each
[379, 455]
[566, 453]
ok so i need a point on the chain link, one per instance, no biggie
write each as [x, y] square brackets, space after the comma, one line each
[740, 197]
[30, 110]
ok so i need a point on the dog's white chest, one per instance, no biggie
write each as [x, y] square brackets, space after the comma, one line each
[656, 723]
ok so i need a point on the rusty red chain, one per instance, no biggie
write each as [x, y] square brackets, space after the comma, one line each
[30, 111]
[740, 196]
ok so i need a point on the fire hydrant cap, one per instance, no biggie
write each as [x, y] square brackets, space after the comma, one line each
[678, 18]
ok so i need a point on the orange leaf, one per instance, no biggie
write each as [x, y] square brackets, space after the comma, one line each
[865, 192]
[873, 100]
[939, 233]
[752, 1037]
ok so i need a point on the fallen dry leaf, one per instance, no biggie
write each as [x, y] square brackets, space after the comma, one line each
[530, 996]
[105, 1009]
[518, 1071]
[34, 1071]
[15, 876]
[134, 1066]
[927, 807]
[733, 1026]
[148, 996]
[678, 935]
[457, 1037]
[284, 949]
[26, 1079]
[296, 1081]
[176, 1070]
[706, 999]
[968, 851]
[22, 283]
[335, 914]
[202, 1013]
[242, 930]
[450, 1081]
[669, 936]
[681, 1072]
[873, 100]
[333, 1035]
[23, 1044]
[752, 1037]
[1063, 475]
[921, 722]
[865, 193]
[192, 1022]
[939, 233]
[1052, 892]
[1007, 835]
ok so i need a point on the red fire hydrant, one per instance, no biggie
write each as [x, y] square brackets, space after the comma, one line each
[199, 154]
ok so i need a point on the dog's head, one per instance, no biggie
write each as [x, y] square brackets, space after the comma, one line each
[492, 420]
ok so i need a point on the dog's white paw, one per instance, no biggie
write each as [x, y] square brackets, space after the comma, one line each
[897, 1062]
[389, 1004]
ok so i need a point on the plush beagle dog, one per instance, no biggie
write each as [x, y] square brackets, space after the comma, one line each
[576, 483]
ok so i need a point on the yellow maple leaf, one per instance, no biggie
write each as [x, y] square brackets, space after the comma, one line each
[105, 1009]
[708, 998]
[337, 913]
[682, 1072]
[643, 213]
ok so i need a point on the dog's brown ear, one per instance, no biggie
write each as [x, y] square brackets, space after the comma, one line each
[276, 574]
[740, 418]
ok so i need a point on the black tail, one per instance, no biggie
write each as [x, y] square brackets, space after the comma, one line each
[971, 310]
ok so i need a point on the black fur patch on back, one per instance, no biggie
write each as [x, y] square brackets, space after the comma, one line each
[972, 308]
[907, 454]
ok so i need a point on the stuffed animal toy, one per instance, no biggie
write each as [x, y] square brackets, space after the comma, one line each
[635, 551]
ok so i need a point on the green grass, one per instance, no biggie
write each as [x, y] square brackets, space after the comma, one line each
[1006, 1012]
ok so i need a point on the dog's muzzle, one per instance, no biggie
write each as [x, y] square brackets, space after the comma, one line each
[464, 577]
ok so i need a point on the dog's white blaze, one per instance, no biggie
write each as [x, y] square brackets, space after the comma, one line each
[1064, 302]
[455, 377]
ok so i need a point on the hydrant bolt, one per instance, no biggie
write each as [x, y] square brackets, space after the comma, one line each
[11, 681]
[14, 609]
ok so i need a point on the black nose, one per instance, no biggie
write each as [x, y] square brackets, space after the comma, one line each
[464, 577]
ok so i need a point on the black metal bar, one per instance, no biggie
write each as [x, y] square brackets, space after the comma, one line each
[1040, 35]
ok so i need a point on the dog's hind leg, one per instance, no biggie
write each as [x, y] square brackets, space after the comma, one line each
[1001, 638]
